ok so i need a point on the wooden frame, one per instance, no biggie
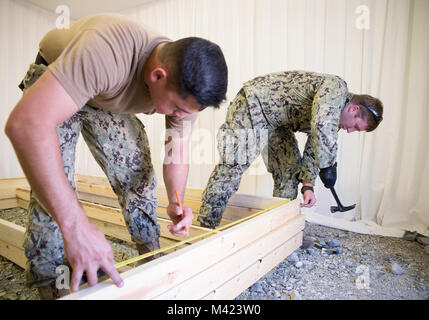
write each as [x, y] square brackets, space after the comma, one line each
[256, 233]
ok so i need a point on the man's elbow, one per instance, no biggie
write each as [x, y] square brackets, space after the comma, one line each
[16, 126]
[12, 127]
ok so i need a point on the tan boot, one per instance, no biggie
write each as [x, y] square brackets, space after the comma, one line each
[148, 247]
[50, 292]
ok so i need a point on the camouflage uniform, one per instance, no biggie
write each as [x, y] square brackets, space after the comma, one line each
[262, 119]
[120, 146]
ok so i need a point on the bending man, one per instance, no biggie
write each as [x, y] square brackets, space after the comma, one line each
[92, 79]
[263, 118]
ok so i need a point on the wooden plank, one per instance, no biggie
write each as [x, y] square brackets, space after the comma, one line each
[235, 286]
[8, 186]
[101, 186]
[100, 199]
[121, 232]
[246, 201]
[13, 253]
[112, 230]
[114, 216]
[210, 279]
[230, 253]
[111, 221]
[104, 195]
[11, 233]
[11, 241]
[161, 211]
[8, 203]
[158, 276]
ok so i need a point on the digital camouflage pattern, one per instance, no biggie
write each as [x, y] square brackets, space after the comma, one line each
[274, 106]
[119, 144]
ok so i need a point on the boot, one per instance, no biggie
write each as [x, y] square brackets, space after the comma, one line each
[148, 247]
[50, 292]
[206, 226]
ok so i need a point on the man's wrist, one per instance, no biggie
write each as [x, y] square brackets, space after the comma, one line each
[76, 219]
[305, 188]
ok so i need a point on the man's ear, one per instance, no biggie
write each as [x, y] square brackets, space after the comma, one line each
[158, 74]
[354, 108]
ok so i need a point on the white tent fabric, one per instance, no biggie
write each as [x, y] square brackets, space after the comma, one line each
[21, 27]
[379, 47]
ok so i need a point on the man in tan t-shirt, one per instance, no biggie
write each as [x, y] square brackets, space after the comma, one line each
[92, 79]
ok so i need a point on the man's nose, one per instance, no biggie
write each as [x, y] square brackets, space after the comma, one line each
[179, 114]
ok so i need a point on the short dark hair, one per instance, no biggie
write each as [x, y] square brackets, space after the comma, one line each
[371, 110]
[197, 67]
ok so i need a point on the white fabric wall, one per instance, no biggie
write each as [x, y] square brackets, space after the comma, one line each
[385, 172]
[21, 27]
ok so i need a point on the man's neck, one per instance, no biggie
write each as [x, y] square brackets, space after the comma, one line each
[151, 63]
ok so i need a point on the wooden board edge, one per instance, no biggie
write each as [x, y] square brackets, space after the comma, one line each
[155, 277]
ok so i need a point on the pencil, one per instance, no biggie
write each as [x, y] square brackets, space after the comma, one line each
[181, 208]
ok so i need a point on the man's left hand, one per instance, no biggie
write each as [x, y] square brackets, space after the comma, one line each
[175, 214]
[309, 199]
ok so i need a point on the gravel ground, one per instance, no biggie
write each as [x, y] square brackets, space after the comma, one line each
[367, 267]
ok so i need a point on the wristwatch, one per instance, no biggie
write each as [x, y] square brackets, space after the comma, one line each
[305, 188]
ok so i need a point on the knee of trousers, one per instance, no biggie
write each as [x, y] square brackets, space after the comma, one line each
[44, 249]
[286, 189]
[141, 219]
[285, 185]
[288, 193]
[209, 216]
[208, 221]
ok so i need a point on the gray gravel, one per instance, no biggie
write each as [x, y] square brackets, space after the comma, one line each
[367, 267]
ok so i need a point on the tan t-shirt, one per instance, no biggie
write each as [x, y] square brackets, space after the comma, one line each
[99, 61]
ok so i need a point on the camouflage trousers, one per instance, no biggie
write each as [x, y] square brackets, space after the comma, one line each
[120, 146]
[241, 139]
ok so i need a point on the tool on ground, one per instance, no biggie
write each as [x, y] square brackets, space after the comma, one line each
[181, 208]
[319, 246]
[330, 251]
[340, 207]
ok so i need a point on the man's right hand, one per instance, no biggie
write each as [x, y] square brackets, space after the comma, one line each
[87, 250]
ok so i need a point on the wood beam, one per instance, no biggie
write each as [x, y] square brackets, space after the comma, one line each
[156, 277]
[209, 280]
[7, 191]
[11, 241]
[220, 266]
[111, 221]
[240, 282]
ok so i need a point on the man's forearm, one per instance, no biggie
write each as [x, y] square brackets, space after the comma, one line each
[175, 177]
[176, 166]
[175, 171]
